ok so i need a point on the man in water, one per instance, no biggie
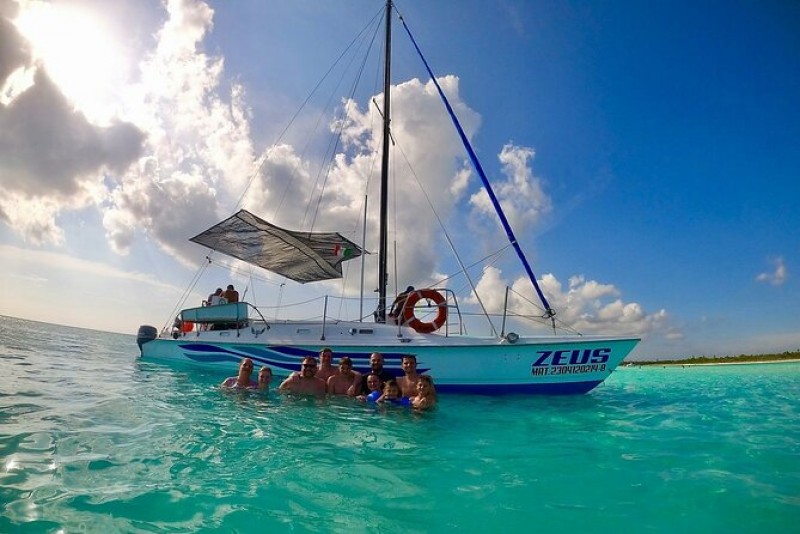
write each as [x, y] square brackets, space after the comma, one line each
[359, 387]
[340, 383]
[242, 380]
[408, 383]
[326, 368]
[305, 382]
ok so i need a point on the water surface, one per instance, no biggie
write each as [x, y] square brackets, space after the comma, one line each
[94, 439]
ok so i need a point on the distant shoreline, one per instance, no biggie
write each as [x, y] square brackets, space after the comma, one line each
[687, 364]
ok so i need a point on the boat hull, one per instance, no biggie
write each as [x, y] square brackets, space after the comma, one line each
[490, 366]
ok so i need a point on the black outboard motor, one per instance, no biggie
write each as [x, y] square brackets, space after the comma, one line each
[146, 333]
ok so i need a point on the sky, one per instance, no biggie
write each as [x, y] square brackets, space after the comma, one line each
[644, 152]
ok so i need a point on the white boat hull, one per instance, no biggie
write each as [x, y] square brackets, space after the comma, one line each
[461, 364]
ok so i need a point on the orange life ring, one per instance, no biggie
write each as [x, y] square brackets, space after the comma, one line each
[409, 319]
[186, 326]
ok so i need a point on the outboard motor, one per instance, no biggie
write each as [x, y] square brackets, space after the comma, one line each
[146, 333]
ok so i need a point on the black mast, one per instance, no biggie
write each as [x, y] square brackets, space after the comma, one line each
[383, 245]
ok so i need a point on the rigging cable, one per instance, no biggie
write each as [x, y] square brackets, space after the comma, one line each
[449, 241]
[479, 168]
[262, 160]
[340, 128]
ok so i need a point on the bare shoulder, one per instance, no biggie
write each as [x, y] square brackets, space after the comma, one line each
[291, 379]
[228, 382]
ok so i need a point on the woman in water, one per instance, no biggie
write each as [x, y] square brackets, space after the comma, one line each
[374, 386]
[242, 380]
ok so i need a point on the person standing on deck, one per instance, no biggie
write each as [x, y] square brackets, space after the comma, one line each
[396, 311]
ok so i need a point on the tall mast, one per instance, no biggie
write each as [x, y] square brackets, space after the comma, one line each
[383, 247]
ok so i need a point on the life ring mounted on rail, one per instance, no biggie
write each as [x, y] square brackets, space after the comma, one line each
[411, 320]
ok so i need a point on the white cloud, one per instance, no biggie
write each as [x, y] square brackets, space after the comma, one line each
[586, 306]
[419, 123]
[189, 135]
[198, 154]
[521, 195]
[51, 156]
[776, 277]
[180, 155]
[79, 267]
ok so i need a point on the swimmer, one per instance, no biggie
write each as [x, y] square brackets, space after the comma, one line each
[264, 378]
[392, 394]
[242, 380]
[374, 387]
[408, 383]
[326, 368]
[359, 387]
[339, 383]
[306, 382]
[426, 394]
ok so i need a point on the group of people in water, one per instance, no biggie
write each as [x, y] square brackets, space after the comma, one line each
[378, 386]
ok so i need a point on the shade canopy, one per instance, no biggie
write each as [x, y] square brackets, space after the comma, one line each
[299, 256]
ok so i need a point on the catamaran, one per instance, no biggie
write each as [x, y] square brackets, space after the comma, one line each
[424, 322]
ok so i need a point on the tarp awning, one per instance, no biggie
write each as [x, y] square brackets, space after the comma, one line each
[299, 256]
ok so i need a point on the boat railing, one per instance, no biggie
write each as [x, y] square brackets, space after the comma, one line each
[230, 316]
[451, 295]
[454, 325]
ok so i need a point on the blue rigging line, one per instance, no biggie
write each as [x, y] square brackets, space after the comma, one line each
[549, 312]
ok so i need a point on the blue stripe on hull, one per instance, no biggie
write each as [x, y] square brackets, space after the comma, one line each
[564, 388]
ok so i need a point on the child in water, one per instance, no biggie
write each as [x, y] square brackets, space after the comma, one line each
[374, 386]
[426, 394]
[264, 378]
[392, 394]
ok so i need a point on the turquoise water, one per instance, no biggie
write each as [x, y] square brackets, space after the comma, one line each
[94, 440]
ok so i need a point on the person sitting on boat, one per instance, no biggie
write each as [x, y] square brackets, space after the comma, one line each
[242, 380]
[392, 395]
[359, 387]
[375, 387]
[305, 382]
[231, 295]
[264, 378]
[396, 311]
[216, 298]
[326, 368]
[408, 383]
[340, 382]
[426, 394]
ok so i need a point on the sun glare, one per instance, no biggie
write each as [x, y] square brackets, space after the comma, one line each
[79, 53]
